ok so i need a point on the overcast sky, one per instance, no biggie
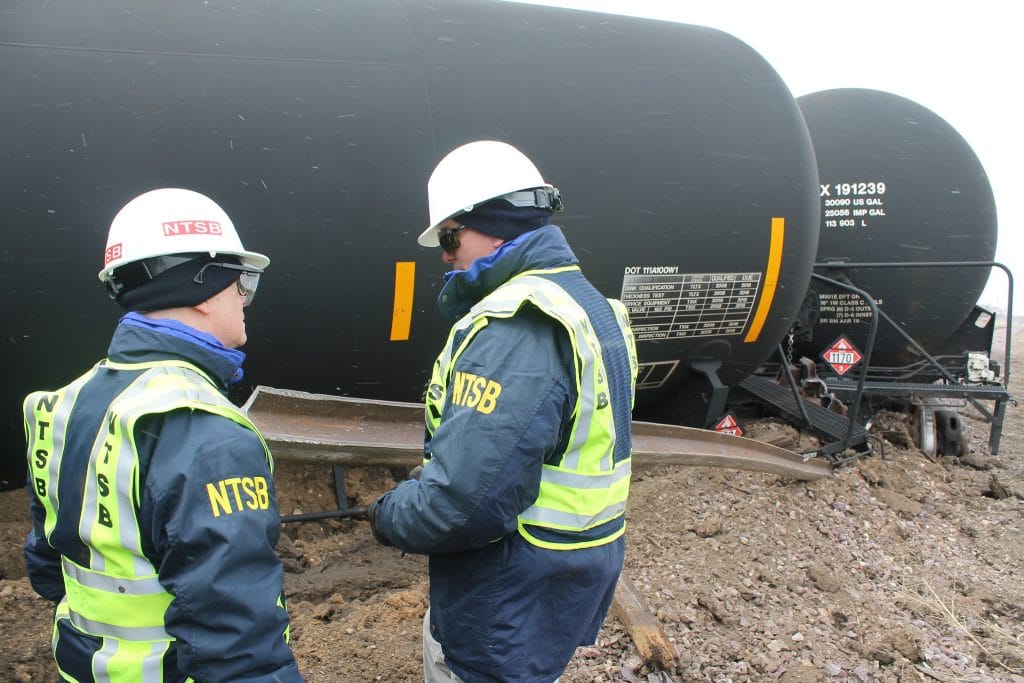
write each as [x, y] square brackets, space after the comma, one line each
[962, 60]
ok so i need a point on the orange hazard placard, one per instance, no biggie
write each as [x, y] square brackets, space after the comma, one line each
[728, 425]
[842, 355]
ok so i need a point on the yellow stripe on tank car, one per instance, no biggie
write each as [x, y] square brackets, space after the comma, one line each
[401, 314]
[771, 279]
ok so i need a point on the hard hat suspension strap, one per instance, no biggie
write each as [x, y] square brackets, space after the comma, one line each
[541, 198]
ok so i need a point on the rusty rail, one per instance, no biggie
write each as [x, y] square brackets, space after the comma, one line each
[338, 430]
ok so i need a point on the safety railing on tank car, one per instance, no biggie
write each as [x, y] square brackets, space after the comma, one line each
[868, 347]
[995, 417]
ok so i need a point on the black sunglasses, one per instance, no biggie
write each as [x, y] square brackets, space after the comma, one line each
[449, 238]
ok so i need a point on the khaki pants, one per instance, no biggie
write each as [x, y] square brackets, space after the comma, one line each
[435, 670]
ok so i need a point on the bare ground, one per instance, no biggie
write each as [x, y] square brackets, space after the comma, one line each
[899, 567]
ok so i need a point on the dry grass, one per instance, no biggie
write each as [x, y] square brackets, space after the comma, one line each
[999, 646]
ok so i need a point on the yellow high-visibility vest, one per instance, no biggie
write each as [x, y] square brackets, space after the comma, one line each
[117, 596]
[589, 485]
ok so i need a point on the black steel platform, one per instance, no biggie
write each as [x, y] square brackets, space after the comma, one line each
[827, 425]
[847, 388]
[984, 392]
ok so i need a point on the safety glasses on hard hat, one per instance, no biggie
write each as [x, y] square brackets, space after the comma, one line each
[448, 238]
[247, 282]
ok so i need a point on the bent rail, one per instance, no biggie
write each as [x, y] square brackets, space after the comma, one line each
[344, 431]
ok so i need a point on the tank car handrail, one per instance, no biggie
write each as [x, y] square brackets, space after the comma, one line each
[943, 264]
[868, 347]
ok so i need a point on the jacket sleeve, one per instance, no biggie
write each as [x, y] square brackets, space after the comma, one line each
[42, 562]
[210, 508]
[512, 402]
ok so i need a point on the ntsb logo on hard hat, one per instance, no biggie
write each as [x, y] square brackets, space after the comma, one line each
[192, 228]
[112, 252]
[151, 225]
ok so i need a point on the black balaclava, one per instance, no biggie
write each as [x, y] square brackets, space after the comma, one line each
[175, 287]
[500, 218]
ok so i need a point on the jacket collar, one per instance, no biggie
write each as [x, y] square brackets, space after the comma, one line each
[544, 247]
[140, 339]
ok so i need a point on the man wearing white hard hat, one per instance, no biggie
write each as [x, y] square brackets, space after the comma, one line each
[521, 499]
[152, 496]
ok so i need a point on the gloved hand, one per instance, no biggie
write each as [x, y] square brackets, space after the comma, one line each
[373, 514]
[415, 472]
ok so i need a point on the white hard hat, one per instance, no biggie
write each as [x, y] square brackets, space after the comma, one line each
[172, 221]
[473, 174]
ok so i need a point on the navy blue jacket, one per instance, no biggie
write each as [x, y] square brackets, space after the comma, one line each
[503, 609]
[222, 570]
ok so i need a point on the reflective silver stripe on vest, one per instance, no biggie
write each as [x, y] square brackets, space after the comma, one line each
[110, 584]
[59, 430]
[127, 526]
[98, 628]
[584, 481]
[60, 417]
[587, 393]
[90, 498]
[541, 515]
[101, 660]
[445, 360]
[152, 664]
